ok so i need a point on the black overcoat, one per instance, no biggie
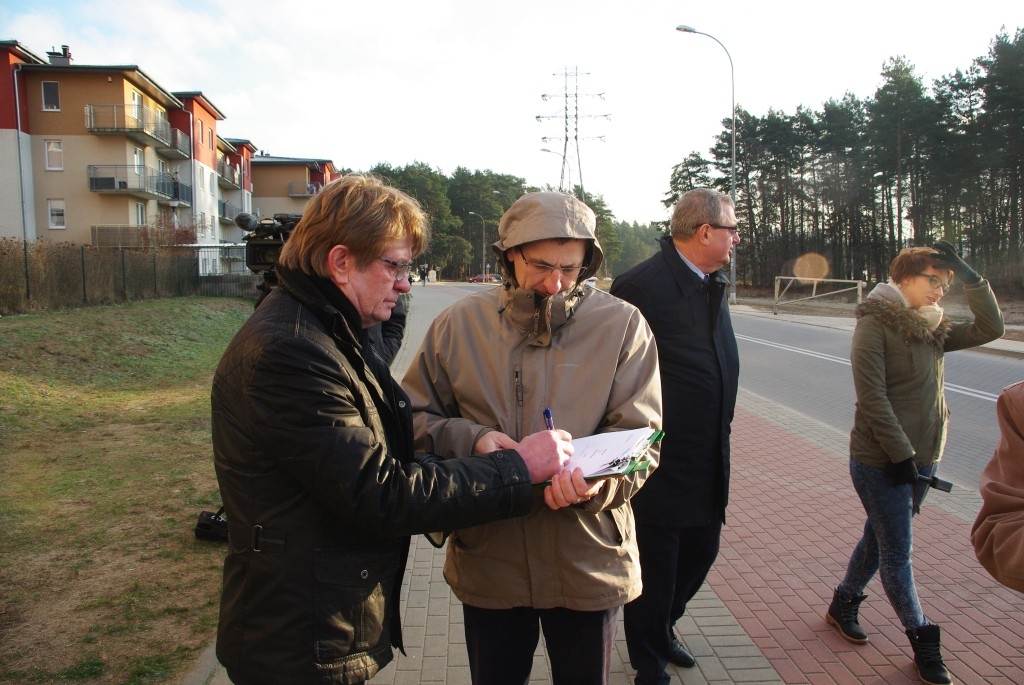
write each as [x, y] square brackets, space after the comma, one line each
[700, 369]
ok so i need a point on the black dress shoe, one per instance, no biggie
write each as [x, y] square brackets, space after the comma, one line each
[678, 655]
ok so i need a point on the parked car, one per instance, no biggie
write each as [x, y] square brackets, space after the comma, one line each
[485, 278]
[414, 277]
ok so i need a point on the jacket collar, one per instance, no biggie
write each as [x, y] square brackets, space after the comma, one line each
[536, 316]
[684, 276]
[890, 307]
[327, 302]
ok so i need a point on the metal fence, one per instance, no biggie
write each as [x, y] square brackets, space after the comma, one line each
[43, 276]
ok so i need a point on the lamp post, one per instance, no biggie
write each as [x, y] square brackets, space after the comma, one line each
[483, 250]
[732, 77]
[561, 180]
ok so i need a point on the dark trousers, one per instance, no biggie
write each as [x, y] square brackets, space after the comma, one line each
[501, 644]
[673, 564]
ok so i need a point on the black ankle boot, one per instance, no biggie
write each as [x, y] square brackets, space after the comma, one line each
[843, 615]
[928, 655]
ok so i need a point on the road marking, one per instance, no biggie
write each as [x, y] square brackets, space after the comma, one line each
[950, 387]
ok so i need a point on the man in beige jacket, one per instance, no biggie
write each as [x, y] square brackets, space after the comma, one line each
[487, 369]
[998, 533]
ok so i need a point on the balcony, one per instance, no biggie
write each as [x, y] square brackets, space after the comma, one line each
[123, 236]
[144, 125]
[302, 188]
[227, 211]
[180, 147]
[142, 182]
[228, 176]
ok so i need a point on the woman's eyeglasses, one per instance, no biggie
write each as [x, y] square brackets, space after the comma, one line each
[936, 283]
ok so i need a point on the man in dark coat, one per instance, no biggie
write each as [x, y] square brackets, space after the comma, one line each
[313, 447]
[681, 291]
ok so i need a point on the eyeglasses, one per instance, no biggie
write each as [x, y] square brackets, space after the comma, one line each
[936, 283]
[544, 270]
[400, 271]
[735, 229]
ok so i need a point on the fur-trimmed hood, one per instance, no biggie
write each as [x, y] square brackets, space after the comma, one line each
[888, 304]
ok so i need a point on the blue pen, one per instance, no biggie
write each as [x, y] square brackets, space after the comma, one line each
[549, 421]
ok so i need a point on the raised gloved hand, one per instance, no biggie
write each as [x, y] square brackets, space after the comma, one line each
[902, 472]
[949, 259]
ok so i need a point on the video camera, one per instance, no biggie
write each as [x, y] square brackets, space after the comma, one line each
[265, 238]
[263, 243]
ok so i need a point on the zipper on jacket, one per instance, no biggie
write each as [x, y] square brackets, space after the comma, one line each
[517, 417]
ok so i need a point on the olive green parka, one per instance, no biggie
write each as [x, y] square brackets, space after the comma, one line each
[899, 374]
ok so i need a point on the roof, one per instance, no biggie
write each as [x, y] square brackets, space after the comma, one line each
[128, 71]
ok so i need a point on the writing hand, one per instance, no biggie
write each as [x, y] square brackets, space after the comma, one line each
[545, 453]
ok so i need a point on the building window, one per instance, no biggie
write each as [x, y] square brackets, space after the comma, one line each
[51, 96]
[56, 210]
[137, 108]
[140, 213]
[140, 161]
[54, 155]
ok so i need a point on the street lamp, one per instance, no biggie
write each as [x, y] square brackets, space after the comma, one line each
[483, 251]
[561, 180]
[732, 77]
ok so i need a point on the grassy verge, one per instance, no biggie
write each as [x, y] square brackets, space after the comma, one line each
[106, 462]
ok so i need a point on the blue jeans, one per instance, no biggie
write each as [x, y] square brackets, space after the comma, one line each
[887, 541]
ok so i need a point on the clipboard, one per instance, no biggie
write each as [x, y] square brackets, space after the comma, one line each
[616, 453]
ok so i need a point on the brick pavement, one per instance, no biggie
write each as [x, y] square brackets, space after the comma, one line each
[793, 519]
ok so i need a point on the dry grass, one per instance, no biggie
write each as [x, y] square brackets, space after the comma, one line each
[106, 462]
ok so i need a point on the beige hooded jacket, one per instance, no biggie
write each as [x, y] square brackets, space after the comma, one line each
[998, 532]
[494, 361]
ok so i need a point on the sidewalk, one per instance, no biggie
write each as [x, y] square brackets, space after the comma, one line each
[793, 519]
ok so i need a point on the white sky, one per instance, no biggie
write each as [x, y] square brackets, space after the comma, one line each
[459, 82]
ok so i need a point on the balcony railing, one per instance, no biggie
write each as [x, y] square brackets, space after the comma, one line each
[139, 181]
[228, 211]
[302, 188]
[180, 147]
[145, 125]
[123, 236]
[228, 176]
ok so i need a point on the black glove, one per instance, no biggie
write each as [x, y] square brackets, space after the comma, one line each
[949, 259]
[902, 472]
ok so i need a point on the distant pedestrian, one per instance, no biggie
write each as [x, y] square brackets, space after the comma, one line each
[899, 430]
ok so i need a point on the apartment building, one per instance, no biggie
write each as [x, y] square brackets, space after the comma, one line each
[103, 155]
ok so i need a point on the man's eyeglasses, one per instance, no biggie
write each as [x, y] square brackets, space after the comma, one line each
[399, 271]
[544, 270]
[936, 283]
[735, 229]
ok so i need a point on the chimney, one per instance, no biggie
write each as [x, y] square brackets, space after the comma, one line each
[60, 59]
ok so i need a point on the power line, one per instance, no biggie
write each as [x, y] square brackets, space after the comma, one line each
[571, 115]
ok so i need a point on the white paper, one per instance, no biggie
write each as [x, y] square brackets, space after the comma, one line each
[609, 453]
